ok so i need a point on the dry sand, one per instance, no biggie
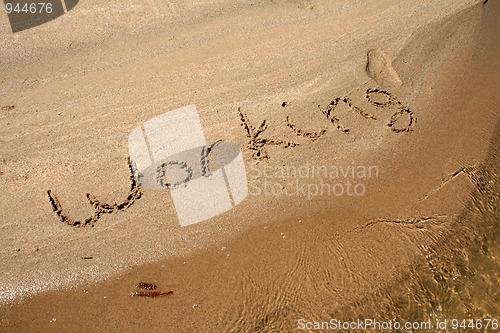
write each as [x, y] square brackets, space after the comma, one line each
[81, 83]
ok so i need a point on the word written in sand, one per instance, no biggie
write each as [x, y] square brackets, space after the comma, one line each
[376, 97]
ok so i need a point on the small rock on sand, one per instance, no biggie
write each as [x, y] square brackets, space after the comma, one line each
[379, 68]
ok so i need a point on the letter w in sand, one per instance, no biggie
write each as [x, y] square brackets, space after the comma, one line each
[170, 151]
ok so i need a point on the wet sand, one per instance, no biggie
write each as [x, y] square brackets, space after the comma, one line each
[271, 261]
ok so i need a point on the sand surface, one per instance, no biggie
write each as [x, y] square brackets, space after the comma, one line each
[82, 83]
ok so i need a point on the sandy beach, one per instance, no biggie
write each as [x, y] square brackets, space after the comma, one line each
[372, 190]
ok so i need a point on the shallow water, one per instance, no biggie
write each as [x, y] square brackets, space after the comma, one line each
[459, 277]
